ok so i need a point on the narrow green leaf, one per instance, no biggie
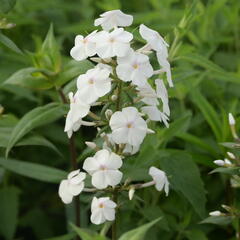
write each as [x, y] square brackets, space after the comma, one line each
[140, 232]
[219, 220]
[37, 117]
[8, 211]
[9, 43]
[227, 170]
[69, 236]
[184, 176]
[33, 170]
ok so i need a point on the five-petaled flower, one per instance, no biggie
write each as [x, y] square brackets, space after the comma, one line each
[72, 186]
[103, 167]
[103, 209]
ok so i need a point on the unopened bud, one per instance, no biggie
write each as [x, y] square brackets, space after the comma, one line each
[227, 208]
[91, 145]
[103, 134]
[108, 113]
[96, 59]
[150, 131]
[231, 155]
[114, 97]
[131, 193]
[215, 213]
[219, 162]
[231, 119]
[227, 161]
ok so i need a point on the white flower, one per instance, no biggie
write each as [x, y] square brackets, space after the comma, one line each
[148, 94]
[72, 186]
[128, 127]
[154, 39]
[226, 162]
[78, 110]
[231, 119]
[155, 114]
[163, 95]
[165, 67]
[84, 47]
[103, 168]
[215, 213]
[93, 84]
[115, 43]
[134, 67]
[103, 209]
[160, 179]
[114, 18]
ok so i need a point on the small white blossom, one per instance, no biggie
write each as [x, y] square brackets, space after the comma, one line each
[154, 39]
[155, 114]
[72, 186]
[103, 209]
[225, 162]
[115, 43]
[103, 168]
[113, 19]
[148, 94]
[78, 110]
[128, 127]
[134, 67]
[231, 119]
[215, 213]
[93, 84]
[84, 47]
[160, 179]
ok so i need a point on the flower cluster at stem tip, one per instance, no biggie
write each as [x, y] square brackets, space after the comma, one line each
[131, 94]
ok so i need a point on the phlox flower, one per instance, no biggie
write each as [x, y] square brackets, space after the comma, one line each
[134, 67]
[128, 127]
[115, 43]
[103, 209]
[93, 84]
[113, 19]
[103, 167]
[84, 47]
[72, 186]
[160, 179]
[148, 94]
[78, 110]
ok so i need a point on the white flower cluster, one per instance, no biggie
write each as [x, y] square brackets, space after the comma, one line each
[121, 81]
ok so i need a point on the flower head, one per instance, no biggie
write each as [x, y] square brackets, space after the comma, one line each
[78, 110]
[115, 43]
[103, 167]
[134, 67]
[128, 127]
[103, 209]
[72, 186]
[160, 179]
[112, 19]
[84, 47]
[93, 84]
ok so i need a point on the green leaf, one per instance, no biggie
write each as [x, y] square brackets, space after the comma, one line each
[85, 234]
[208, 112]
[140, 232]
[219, 220]
[231, 145]
[33, 170]
[30, 78]
[37, 117]
[184, 176]
[8, 211]
[196, 234]
[6, 5]
[69, 236]
[9, 43]
[227, 170]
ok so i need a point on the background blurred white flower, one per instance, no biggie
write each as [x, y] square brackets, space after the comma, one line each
[103, 167]
[72, 186]
[114, 18]
[102, 209]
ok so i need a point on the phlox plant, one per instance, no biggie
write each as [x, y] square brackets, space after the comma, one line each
[131, 94]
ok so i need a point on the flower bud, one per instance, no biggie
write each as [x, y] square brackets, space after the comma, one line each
[219, 162]
[231, 155]
[131, 193]
[215, 213]
[150, 131]
[231, 119]
[227, 161]
[108, 113]
[227, 208]
[113, 97]
[91, 145]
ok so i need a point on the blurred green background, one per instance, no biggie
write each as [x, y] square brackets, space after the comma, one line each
[205, 60]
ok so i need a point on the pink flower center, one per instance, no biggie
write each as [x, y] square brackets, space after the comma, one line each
[111, 40]
[102, 167]
[101, 205]
[90, 81]
[135, 66]
[129, 125]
